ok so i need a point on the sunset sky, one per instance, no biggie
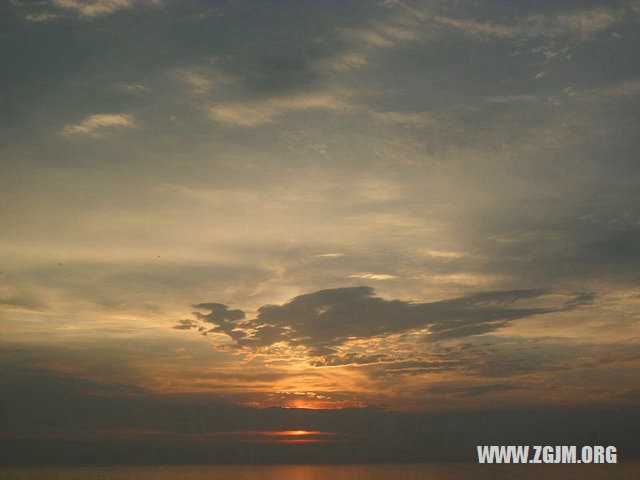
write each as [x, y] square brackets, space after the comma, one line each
[387, 208]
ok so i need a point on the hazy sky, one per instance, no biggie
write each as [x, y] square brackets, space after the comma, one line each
[412, 206]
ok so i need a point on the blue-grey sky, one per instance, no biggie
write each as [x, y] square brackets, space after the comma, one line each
[412, 206]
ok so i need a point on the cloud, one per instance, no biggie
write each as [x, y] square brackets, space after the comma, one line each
[444, 253]
[260, 112]
[627, 88]
[92, 8]
[87, 9]
[22, 300]
[324, 321]
[42, 17]
[202, 80]
[384, 35]
[96, 125]
[373, 276]
[588, 20]
[199, 84]
[61, 417]
[615, 256]
[350, 359]
[410, 119]
[477, 28]
[224, 319]
[365, 42]
[185, 325]
[582, 22]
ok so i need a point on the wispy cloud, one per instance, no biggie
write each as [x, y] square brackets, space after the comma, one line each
[472, 27]
[623, 89]
[373, 276]
[96, 125]
[444, 253]
[588, 21]
[417, 119]
[88, 9]
[42, 17]
[582, 22]
[92, 8]
[201, 80]
[406, 25]
[254, 113]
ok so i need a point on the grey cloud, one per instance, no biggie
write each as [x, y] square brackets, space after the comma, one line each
[185, 325]
[324, 320]
[620, 247]
[580, 21]
[223, 319]
[220, 312]
[484, 357]
[606, 254]
[23, 300]
[86, 9]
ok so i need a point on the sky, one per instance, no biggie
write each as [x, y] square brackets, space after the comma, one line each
[279, 221]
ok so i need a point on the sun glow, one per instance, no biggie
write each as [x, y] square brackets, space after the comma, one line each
[297, 432]
[299, 436]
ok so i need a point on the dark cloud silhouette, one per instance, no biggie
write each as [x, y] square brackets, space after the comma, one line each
[324, 320]
[52, 418]
[224, 319]
[220, 312]
[185, 325]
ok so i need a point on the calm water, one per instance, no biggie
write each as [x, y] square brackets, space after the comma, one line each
[622, 471]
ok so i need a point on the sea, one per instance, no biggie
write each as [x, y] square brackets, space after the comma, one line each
[456, 471]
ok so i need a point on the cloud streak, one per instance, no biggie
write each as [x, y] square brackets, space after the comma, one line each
[582, 22]
[96, 8]
[97, 125]
[251, 114]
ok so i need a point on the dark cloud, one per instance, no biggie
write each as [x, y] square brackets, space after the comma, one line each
[224, 319]
[485, 357]
[51, 418]
[25, 301]
[324, 320]
[185, 325]
[616, 249]
[610, 255]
